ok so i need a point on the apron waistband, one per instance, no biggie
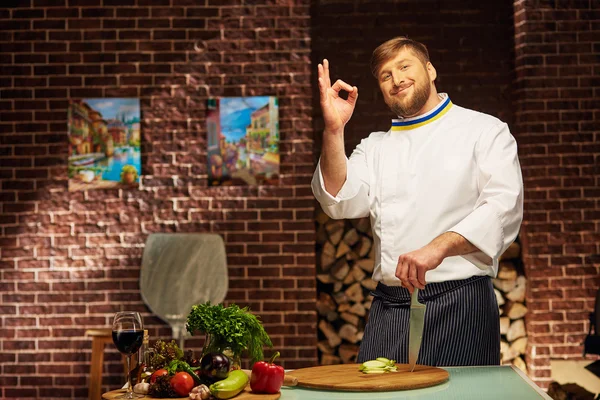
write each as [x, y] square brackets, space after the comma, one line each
[400, 296]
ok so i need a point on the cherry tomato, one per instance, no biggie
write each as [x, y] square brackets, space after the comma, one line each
[157, 373]
[182, 383]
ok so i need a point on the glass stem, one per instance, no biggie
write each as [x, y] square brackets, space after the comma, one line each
[129, 388]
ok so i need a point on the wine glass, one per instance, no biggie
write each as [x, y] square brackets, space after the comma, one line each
[128, 335]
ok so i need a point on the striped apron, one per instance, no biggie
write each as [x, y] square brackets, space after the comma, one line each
[462, 324]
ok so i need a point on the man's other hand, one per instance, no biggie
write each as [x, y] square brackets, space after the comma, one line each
[412, 266]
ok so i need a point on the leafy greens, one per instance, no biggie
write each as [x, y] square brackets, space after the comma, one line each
[229, 327]
[164, 353]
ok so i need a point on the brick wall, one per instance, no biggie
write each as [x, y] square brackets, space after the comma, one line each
[557, 120]
[68, 261]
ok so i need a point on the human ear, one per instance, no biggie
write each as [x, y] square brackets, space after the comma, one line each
[431, 71]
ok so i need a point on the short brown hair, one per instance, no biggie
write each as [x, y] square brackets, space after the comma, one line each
[388, 50]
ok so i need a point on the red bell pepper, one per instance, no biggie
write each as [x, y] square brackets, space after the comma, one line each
[267, 377]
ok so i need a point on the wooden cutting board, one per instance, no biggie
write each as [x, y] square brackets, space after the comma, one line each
[347, 377]
[245, 395]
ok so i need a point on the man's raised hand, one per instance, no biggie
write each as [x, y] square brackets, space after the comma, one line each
[336, 111]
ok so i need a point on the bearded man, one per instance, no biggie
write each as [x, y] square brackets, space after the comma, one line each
[444, 193]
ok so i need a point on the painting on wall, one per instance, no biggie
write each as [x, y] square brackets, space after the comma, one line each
[243, 140]
[104, 143]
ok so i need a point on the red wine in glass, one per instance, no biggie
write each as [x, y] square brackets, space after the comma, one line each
[128, 342]
[128, 334]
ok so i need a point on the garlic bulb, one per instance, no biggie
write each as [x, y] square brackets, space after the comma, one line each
[141, 388]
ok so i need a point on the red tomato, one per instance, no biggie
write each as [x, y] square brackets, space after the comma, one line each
[182, 383]
[157, 373]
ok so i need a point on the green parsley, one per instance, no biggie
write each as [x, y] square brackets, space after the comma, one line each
[231, 328]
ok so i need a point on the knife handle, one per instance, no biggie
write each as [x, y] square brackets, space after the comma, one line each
[414, 297]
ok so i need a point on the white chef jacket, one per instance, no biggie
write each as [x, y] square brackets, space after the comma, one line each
[449, 170]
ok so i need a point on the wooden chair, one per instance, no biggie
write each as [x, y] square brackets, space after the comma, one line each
[100, 337]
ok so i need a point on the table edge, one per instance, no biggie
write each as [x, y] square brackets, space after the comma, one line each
[524, 376]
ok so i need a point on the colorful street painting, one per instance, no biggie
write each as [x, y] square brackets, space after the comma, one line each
[243, 140]
[104, 143]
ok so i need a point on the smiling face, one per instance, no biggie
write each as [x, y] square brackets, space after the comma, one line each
[407, 84]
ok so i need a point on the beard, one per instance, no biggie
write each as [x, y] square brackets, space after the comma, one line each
[407, 106]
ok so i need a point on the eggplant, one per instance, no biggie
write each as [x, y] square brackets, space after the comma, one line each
[214, 367]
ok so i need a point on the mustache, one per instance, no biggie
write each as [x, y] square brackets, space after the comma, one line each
[397, 89]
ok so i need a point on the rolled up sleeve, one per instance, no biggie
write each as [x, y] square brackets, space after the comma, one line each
[496, 218]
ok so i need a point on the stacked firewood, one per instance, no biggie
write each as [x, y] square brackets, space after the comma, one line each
[345, 262]
[510, 286]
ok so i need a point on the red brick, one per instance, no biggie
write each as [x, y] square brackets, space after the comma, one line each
[71, 381]
[56, 321]
[535, 329]
[567, 305]
[566, 283]
[39, 381]
[20, 393]
[566, 261]
[9, 381]
[19, 345]
[291, 318]
[33, 333]
[578, 316]
[581, 293]
[262, 203]
[278, 283]
[263, 249]
[56, 392]
[545, 317]
[264, 272]
[305, 267]
[246, 283]
[561, 351]
[7, 357]
[549, 294]
[567, 327]
[276, 259]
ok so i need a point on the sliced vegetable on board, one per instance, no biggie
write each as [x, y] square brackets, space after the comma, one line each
[380, 365]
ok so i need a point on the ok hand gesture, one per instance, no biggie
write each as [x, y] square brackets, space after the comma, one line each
[336, 110]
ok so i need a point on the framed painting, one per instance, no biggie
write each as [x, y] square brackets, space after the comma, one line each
[104, 143]
[243, 140]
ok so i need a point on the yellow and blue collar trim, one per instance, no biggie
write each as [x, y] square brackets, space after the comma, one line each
[403, 125]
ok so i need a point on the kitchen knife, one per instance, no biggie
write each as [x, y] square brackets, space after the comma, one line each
[415, 330]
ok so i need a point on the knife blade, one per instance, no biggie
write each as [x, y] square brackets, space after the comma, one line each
[415, 329]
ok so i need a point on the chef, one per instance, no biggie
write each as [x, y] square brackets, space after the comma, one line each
[444, 193]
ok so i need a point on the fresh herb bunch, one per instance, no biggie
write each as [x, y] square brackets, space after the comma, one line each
[229, 327]
[164, 353]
